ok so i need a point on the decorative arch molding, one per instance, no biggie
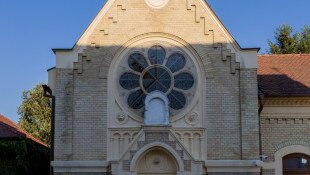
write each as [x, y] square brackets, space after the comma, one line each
[152, 146]
[107, 69]
[205, 63]
[279, 154]
[291, 142]
[284, 101]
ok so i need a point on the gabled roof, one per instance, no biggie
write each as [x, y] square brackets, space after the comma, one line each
[284, 75]
[9, 129]
[109, 3]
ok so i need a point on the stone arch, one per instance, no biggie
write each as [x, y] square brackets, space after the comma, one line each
[153, 146]
[111, 73]
[179, 135]
[286, 151]
[291, 142]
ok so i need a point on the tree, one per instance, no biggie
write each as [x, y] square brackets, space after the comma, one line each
[304, 40]
[287, 42]
[35, 114]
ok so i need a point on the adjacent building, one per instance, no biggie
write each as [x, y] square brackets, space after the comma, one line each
[284, 81]
[20, 152]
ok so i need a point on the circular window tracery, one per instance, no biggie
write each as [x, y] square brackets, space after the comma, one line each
[158, 69]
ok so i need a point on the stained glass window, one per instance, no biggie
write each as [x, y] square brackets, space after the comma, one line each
[137, 62]
[156, 79]
[165, 74]
[129, 80]
[177, 100]
[136, 99]
[183, 81]
[157, 54]
[176, 62]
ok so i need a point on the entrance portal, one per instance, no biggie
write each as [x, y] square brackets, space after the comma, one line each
[157, 162]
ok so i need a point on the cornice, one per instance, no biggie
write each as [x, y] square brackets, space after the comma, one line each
[285, 119]
[287, 101]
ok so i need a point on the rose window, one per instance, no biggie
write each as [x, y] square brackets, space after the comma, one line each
[157, 70]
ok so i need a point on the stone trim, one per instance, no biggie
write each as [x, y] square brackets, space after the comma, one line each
[156, 145]
[79, 166]
[287, 101]
[148, 113]
[290, 143]
[285, 151]
[232, 166]
[156, 37]
[285, 119]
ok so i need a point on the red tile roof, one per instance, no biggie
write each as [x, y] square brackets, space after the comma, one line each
[9, 129]
[284, 75]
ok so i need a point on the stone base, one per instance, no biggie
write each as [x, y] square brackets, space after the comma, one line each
[233, 173]
[232, 167]
[80, 167]
[82, 174]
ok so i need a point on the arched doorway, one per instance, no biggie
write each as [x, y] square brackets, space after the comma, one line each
[294, 164]
[157, 161]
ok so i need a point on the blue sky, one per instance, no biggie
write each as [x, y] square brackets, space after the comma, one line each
[29, 29]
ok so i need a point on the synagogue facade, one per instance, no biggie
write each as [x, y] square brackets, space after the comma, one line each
[157, 87]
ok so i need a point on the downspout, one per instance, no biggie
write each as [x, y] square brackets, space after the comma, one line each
[240, 113]
[260, 95]
[53, 128]
[49, 94]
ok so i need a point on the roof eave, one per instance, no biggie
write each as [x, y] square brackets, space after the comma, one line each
[257, 49]
[55, 50]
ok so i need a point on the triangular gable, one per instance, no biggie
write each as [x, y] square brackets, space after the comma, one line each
[190, 5]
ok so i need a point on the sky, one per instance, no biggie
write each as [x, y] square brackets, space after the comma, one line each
[29, 29]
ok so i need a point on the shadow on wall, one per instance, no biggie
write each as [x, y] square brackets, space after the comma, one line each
[186, 64]
[282, 85]
[215, 64]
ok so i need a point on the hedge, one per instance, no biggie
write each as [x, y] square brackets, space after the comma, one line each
[23, 157]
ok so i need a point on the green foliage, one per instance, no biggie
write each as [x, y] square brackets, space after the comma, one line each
[35, 112]
[23, 156]
[287, 42]
[304, 40]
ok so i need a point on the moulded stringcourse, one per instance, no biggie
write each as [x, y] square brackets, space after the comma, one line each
[78, 66]
[115, 16]
[83, 57]
[199, 16]
[226, 53]
[286, 120]
[287, 102]
[120, 8]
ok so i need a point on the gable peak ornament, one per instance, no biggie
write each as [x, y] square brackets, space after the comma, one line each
[156, 3]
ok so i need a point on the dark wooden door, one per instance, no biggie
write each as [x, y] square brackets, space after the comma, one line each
[296, 164]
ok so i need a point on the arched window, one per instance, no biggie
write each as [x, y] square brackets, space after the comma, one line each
[153, 67]
[296, 164]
